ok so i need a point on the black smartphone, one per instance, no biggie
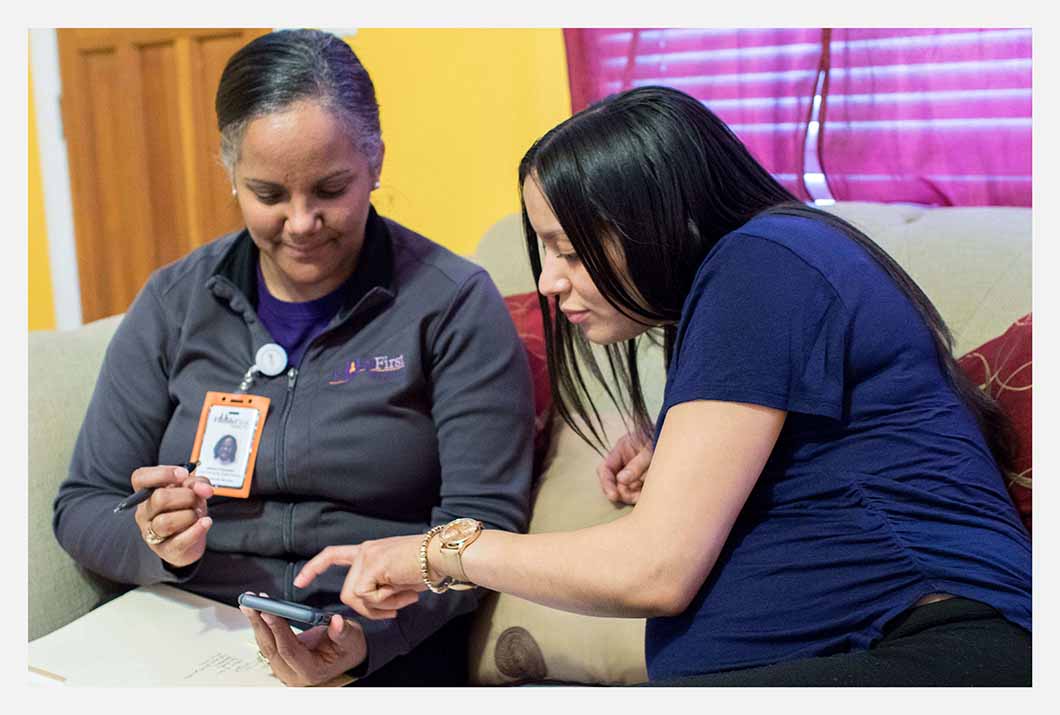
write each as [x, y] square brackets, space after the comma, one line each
[296, 612]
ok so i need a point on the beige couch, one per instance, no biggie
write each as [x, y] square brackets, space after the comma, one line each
[974, 263]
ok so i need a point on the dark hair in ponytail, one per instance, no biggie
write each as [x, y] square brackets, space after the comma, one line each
[277, 70]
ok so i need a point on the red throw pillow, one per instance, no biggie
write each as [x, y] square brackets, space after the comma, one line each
[1002, 367]
[526, 314]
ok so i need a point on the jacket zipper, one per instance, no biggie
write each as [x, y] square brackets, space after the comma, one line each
[281, 443]
[281, 457]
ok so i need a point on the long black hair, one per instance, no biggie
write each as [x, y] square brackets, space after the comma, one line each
[656, 174]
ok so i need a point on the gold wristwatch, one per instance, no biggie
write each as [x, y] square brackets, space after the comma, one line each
[456, 536]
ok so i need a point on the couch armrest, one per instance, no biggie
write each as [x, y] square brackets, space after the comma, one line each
[62, 374]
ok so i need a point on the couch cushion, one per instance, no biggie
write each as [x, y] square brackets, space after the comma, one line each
[514, 640]
[1002, 367]
[502, 252]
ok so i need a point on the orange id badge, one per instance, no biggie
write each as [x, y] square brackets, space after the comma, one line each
[226, 444]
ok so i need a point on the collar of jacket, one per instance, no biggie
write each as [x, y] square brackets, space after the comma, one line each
[235, 277]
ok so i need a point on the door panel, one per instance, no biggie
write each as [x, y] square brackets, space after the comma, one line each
[142, 143]
[165, 190]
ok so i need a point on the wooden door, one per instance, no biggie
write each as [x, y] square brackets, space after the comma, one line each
[143, 150]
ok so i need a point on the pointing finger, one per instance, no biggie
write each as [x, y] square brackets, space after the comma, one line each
[330, 556]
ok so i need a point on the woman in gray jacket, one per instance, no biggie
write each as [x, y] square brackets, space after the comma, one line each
[401, 397]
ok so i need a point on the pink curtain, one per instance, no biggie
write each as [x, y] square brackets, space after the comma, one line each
[760, 82]
[933, 116]
[928, 116]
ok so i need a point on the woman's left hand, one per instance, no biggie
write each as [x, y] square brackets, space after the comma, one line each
[384, 575]
[623, 470]
[312, 657]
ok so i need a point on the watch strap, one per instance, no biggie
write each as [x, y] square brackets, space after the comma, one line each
[453, 563]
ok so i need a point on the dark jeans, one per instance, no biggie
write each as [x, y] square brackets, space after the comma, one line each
[439, 661]
[957, 642]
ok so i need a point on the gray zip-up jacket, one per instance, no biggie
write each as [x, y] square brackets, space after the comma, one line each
[413, 408]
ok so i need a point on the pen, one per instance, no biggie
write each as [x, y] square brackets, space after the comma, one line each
[143, 494]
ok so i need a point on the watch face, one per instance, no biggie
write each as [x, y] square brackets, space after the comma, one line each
[458, 530]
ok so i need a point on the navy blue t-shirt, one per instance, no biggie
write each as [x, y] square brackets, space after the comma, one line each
[881, 488]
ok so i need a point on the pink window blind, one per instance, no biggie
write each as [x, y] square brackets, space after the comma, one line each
[760, 82]
[928, 116]
[903, 115]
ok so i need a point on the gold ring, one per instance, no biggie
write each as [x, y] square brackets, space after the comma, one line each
[151, 537]
[262, 658]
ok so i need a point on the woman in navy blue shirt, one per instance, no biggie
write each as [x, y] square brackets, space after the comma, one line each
[824, 504]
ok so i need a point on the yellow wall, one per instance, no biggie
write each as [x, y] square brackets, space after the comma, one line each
[41, 304]
[459, 108]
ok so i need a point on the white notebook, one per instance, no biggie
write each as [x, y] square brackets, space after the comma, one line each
[154, 636]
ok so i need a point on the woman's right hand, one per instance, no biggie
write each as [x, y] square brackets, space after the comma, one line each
[176, 511]
[623, 470]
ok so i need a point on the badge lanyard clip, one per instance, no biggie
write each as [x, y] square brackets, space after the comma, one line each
[271, 359]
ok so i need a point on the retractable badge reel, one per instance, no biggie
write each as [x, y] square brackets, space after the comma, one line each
[270, 360]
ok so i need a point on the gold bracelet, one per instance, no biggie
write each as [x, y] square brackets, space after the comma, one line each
[425, 570]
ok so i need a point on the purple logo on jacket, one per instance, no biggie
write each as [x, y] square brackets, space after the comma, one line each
[377, 364]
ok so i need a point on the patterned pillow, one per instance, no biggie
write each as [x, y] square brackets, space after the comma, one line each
[526, 314]
[1002, 367]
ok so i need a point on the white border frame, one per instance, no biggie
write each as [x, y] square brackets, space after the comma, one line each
[55, 175]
